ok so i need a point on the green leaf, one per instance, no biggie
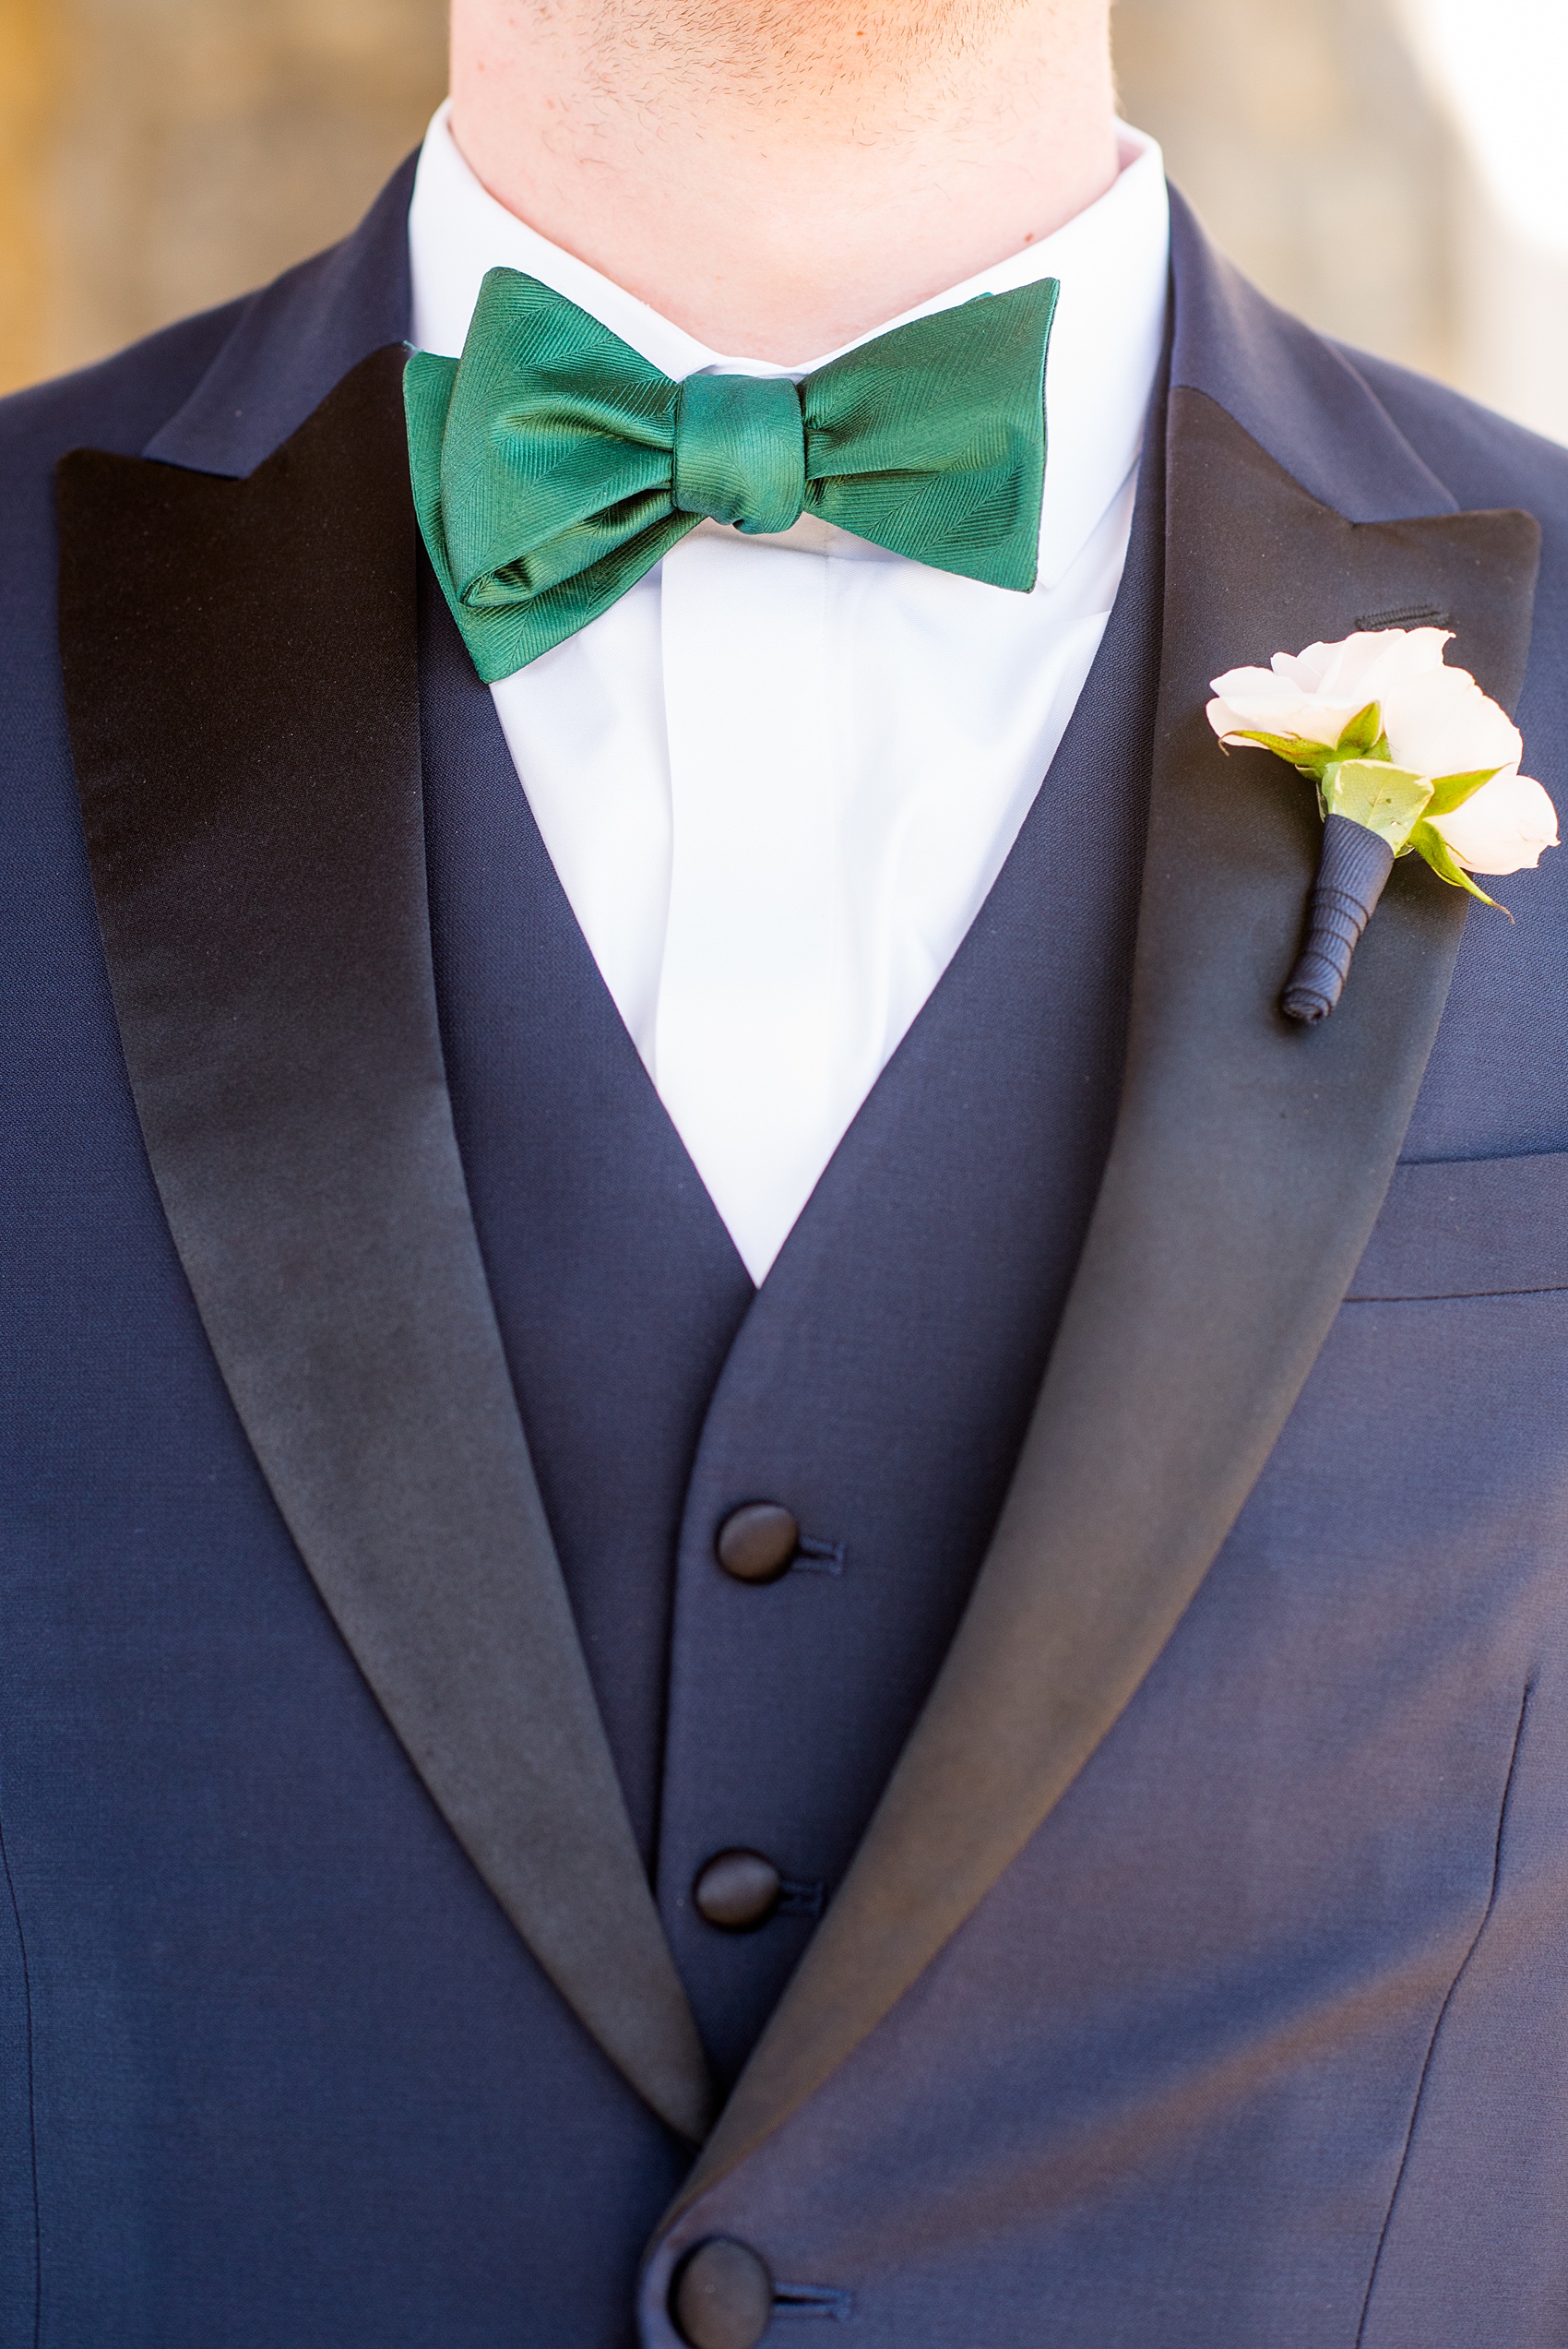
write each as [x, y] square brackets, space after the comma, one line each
[1430, 843]
[1307, 757]
[1450, 792]
[1362, 736]
[1388, 800]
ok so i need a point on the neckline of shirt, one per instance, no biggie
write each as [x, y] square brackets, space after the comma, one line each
[1112, 261]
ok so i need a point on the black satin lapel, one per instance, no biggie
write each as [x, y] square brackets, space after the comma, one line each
[1248, 1165]
[241, 673]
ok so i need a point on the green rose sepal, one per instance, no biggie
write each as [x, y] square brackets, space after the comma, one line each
[1357, 778]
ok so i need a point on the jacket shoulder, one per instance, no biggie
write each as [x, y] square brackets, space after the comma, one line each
[116, 404]
[1485, 460]
[1489, 462]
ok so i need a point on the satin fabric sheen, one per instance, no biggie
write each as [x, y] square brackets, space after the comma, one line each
[780, 775]
[552, 466]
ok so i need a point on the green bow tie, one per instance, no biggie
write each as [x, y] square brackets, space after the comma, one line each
[552, 466]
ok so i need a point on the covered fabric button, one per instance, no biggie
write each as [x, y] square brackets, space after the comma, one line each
[737, 1890]
[758, 1541]
[723, 2296]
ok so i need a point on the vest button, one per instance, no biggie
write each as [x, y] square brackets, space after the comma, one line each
[737, 1890]
[723, 2296]
[757, 1542]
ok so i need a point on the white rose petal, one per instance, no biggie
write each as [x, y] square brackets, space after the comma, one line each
[1245, 710]
[1364, 667]
[1444, 724]
[1259, 702]
[1502, 828]
[1315, 694]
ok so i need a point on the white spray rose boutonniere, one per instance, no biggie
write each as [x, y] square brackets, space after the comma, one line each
[1407, 753]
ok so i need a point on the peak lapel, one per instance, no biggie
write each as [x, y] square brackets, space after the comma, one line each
[241, 675]
[1248, 1165]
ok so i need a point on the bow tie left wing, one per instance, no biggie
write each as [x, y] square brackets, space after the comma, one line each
[541, 464]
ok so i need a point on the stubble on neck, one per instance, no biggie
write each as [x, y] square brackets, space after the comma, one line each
[880, 69]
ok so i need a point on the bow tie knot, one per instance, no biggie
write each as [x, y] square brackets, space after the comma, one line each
[740, 452]
[552, 466]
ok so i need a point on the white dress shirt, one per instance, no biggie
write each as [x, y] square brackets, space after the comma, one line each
[779, 777]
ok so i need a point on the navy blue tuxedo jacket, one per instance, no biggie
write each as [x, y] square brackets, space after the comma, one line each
[1162, 1731]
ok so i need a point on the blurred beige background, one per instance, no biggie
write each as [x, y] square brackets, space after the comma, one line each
[159, 155]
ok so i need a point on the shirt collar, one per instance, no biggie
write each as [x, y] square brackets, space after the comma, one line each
[1112, 261]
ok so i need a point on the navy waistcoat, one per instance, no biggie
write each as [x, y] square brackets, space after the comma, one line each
[879, 1381]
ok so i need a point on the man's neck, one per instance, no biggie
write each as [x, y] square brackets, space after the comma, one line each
[779, 176]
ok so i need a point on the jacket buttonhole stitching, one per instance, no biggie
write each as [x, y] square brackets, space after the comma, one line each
[818, 2300]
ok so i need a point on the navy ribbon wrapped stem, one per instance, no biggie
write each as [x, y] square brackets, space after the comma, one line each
[1351, 873]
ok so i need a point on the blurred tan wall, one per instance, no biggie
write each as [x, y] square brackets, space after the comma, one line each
[29, 74]
[1303, 135]
[158, 155]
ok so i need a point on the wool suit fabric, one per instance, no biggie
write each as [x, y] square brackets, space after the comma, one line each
[1262, 2039]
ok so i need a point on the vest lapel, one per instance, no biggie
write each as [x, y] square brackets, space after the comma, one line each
[616, 1287]
[241, 674]
[1248, 1164]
